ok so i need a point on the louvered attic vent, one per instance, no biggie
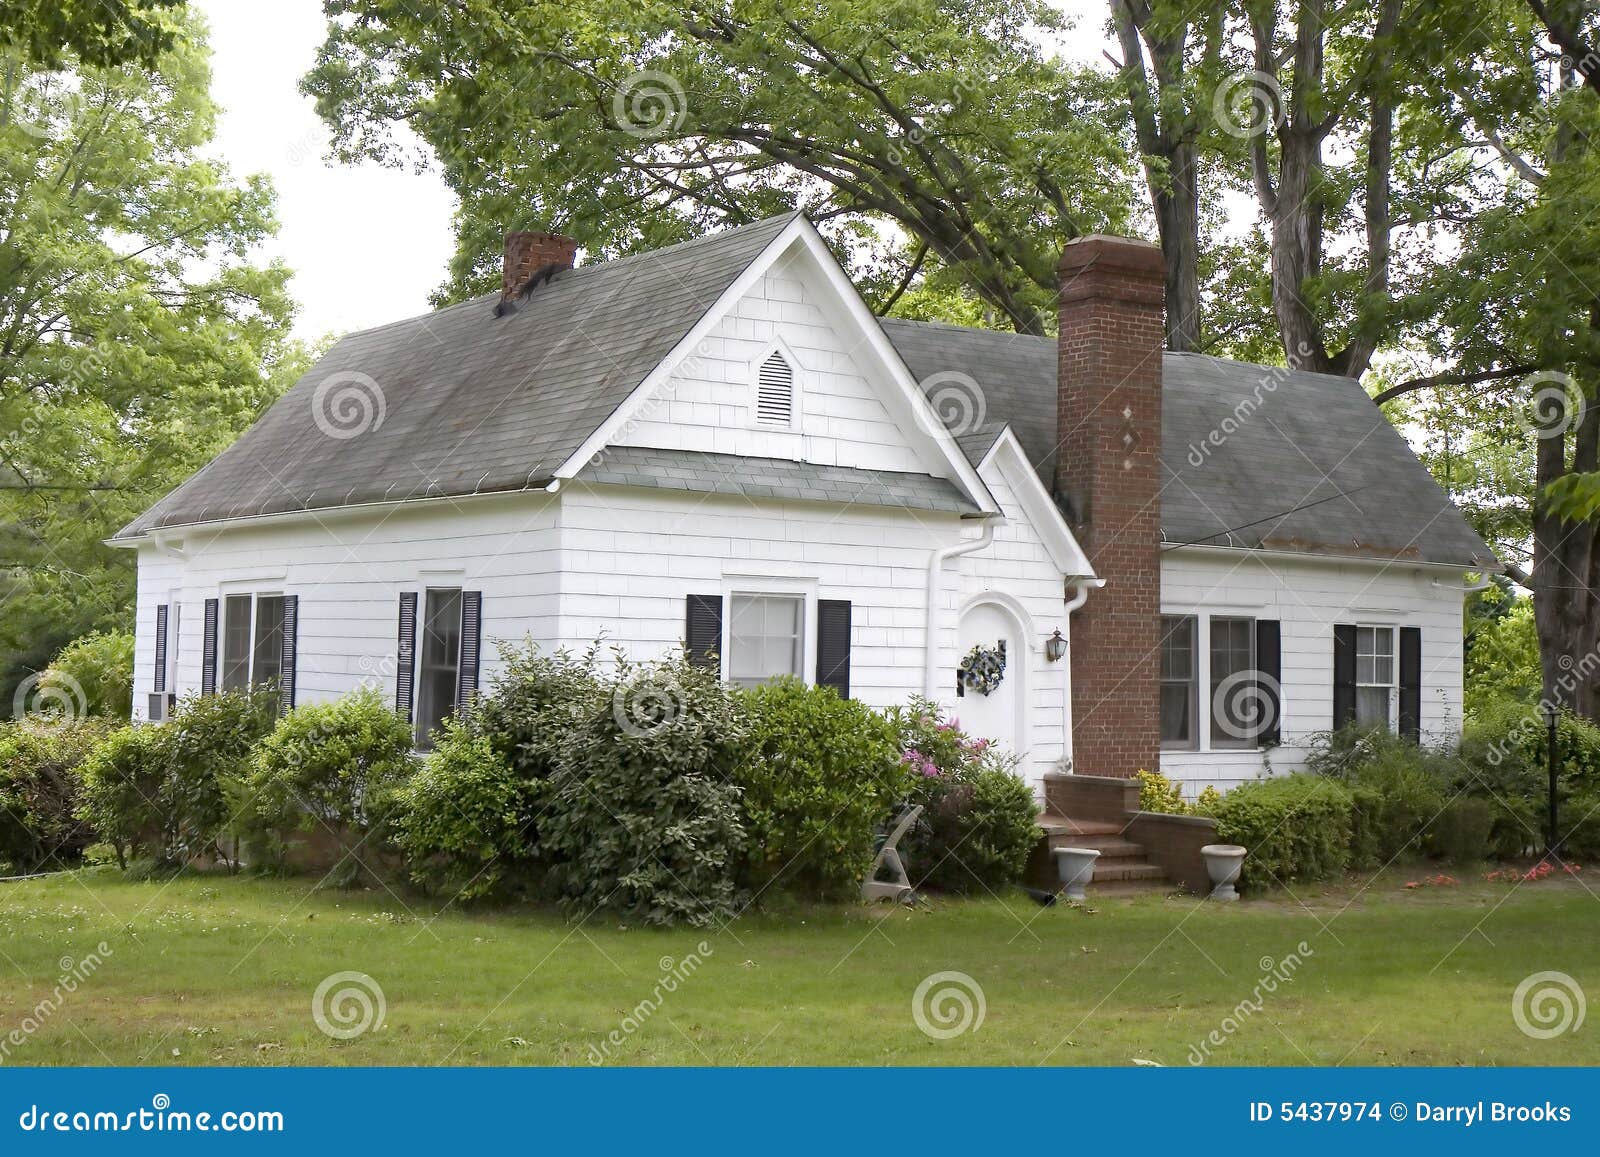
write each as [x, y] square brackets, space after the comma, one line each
[775, 392]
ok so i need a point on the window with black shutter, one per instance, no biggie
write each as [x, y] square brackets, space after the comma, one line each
[1411, 683]
[159, 683]
[1344, 674]
[702, 630]
[208, 649]
[406, 656]
[1269, 672]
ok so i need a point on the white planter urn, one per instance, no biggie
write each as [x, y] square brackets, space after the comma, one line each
[1075, 866]
[1223, 862]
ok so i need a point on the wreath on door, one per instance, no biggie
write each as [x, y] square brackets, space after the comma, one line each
[984, 668]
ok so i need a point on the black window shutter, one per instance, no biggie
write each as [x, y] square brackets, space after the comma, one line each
[160, 682]
[1269, 681]
[1411, 683]
[471, 645]
[1344, 674]
[833, 645]
[406, 655]
[291, 627]
[208, 651]
[702, 632]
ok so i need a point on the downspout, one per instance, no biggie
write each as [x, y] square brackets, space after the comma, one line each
[1080, 596]
[936, 561]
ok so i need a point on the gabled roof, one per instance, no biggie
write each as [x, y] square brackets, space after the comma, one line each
[1252, 456]
[470, 403]
[462, 402]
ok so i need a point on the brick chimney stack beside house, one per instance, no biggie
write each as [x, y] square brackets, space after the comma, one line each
[527, 253]
[1108, 477]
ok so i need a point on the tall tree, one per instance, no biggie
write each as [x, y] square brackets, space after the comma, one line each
[45, 33]
[632, 125]
[136, 337]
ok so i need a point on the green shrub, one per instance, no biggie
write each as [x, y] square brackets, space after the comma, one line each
[40, 794]
[97, 668]
[1515, 734]
[1157, 793]
[980, 831]
[208, 744]
[979, 819]
[818, 775]
[123, 780]
[1578, 824]
[330, 766]
[643, 818]
[1461, 832]
[1296, 827]
[534, 701]
[466, 822]
[1397, 789]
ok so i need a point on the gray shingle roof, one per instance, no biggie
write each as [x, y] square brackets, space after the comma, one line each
[773, 478]
[462, 402]
[1252, 456]
[469, 402]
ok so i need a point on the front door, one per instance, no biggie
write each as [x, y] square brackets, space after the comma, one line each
[995, 713]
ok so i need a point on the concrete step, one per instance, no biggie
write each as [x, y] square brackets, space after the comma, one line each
[1116, 870]
[1109, 847]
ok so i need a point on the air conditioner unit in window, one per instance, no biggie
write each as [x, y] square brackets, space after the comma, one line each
[161, 705]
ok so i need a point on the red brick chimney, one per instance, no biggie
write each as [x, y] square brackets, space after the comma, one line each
[527, 253]
[1108, 476]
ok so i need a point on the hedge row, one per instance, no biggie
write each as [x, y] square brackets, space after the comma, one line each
[654, 791]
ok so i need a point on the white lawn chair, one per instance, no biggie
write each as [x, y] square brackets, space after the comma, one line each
[898, 886]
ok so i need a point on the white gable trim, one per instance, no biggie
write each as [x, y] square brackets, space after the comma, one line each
[906, 402]
[1038, 507]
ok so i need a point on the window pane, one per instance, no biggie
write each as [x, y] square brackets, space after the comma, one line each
[268, 651]
[236, 643]
[1176, 713]
[764, 638]
[441, 659]
[1177, 647]
[1372, 707]
[1234, 702]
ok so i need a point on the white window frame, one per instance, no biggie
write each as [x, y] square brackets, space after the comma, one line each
[443, 586]
[796, 389]
[1391, 721]
[1203, 616]
[228, 591]
[1197, 718]
[757, 586]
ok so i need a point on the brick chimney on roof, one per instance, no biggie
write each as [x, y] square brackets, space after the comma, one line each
[527, 253]
[1108, 478]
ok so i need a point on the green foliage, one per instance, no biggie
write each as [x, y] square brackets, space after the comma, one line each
[1396, 788]
[39, 792]
[1296, 827]
[1578, 825]
[101, 32]
[330, 766]
[1461, 833]
[466, 822]
[1157, 793]
[1515, 734]
[534, 700]
[979, 819]
[630, 126]
[818, 775]
[139, 337]
[643, 819]
[98, 668]
[123, 781]
[1502, 653]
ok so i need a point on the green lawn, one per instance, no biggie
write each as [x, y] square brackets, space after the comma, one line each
[220, 970]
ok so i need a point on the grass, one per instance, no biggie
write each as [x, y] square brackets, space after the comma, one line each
[219, 970]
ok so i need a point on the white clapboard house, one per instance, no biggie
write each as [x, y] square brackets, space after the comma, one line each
[1184, 561]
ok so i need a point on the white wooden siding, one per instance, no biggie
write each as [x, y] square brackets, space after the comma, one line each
[1308, 596]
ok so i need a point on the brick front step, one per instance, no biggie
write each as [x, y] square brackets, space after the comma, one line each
[1109, 847]
[1116, 870]
[1121, 869]
[1055, 825]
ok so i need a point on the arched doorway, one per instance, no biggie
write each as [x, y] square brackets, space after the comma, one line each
[1001, 715]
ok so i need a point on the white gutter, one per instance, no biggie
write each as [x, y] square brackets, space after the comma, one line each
[1482, 584]
[936, 561]
[1084, 587]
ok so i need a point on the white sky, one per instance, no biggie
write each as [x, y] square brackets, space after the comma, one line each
[367, 244]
